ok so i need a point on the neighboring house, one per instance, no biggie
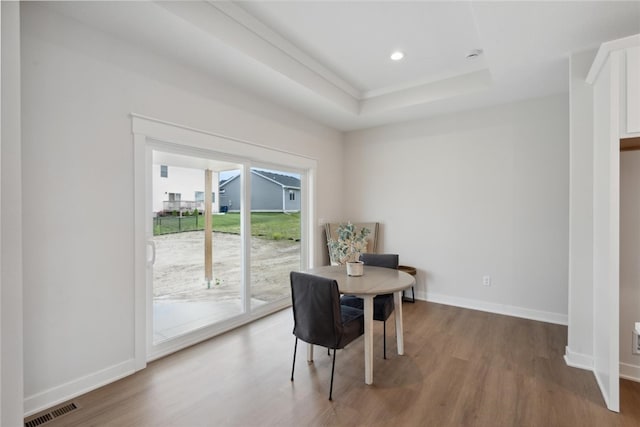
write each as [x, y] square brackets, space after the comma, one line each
[270, 192]
[181, 189]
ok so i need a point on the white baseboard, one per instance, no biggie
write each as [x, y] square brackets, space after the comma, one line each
[582, 361]
[509, 310]
[630, 372]
[59, 394]
[578, 360]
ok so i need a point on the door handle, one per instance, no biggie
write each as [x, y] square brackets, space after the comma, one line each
[152, 244]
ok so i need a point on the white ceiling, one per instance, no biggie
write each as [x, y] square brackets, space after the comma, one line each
[330, 59]
[355, 39]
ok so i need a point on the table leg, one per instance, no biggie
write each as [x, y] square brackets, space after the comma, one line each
[368, 339]
[309, 353]
[397, 300]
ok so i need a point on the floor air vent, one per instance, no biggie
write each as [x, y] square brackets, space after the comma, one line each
[45, 418]
[39, 421]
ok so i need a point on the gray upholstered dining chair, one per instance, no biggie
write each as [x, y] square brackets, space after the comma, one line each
[382, 304]
[319, 318]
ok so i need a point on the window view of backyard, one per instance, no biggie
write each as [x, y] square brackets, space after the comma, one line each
[187, 297]
[275, 251]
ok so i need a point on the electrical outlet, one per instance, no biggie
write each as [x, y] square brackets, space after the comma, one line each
[635, 343]
[486, 280]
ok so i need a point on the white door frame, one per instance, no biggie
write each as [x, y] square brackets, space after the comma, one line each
[149, 133]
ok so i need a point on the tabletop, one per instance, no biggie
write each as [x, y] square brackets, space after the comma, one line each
[374, 281]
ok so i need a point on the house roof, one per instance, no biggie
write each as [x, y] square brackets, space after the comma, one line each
[224, 182]
[283, 180]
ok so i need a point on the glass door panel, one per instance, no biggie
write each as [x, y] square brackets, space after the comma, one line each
[275, 234]
[197, 280]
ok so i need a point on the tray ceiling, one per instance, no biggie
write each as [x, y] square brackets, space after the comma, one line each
[330, 60]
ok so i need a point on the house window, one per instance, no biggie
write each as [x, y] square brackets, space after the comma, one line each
[199, 196]
[164, 171]
[292, 195]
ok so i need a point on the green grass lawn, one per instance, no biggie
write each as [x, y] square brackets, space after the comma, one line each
[272, 226]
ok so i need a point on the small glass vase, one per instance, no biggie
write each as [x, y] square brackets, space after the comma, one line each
[355, 268]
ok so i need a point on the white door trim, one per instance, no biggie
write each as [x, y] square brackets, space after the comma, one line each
[151, 133]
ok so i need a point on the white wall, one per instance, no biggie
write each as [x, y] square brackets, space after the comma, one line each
[478, 193]
[579, 351]
[11, 365]
[629, 260]
[79, 86]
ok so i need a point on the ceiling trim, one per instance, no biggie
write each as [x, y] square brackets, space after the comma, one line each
[215, 23]
[416, 84]
[250, 23]
[429, 92]
[605, 50]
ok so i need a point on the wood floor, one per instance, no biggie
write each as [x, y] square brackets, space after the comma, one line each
[461, 368]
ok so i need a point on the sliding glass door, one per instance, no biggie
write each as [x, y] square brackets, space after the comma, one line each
[224, 233]
[219, 224]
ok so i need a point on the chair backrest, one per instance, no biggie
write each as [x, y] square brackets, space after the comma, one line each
[316, 309]
[380, 260]
[331, 229]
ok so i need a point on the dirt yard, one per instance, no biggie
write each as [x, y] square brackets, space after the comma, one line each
[178, 273]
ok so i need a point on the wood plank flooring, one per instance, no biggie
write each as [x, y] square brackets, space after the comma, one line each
[461, 368]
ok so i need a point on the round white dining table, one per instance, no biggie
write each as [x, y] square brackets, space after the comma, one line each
[374, 281]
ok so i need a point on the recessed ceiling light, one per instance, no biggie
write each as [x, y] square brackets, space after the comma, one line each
[474, 53]
[397, 55]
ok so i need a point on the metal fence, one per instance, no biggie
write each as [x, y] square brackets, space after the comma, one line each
[176, 224]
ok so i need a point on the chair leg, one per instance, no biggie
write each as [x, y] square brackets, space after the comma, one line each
[384, 339]
[413, 296]
[333, 368]
[295, 349]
